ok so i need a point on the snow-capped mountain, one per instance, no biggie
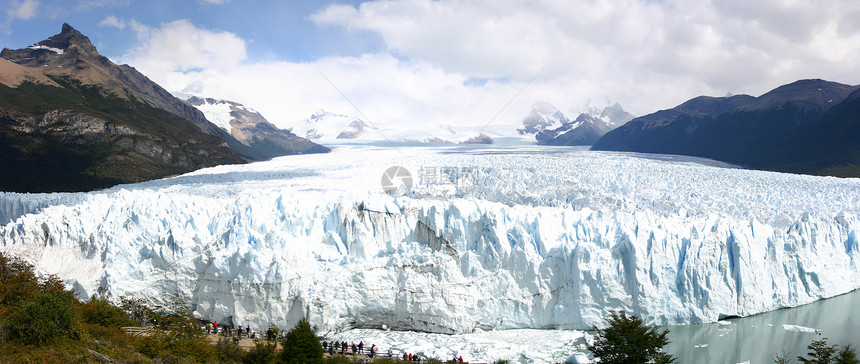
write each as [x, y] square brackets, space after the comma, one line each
[354, 130]
[252, 129]
[615, 116]
[543, 116]
[324, 125]
[584, 130]
[551, 127]
[520, 240]
[328, 125]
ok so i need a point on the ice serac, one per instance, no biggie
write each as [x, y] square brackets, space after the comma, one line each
[546, 241]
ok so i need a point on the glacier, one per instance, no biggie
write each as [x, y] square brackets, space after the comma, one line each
[541, 238]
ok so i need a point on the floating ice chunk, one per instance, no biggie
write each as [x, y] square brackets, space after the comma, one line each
[797, 328]
[578, 358]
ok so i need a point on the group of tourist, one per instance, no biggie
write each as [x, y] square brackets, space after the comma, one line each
[230, 333]
[272, 334]
[344, 348]
[330, 347]
[338, 347]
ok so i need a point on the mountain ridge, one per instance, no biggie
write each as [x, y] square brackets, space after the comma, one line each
[551, 127]
[72, 120]
[249, 127]
[75, 137]
[763, 132]
[71, 52]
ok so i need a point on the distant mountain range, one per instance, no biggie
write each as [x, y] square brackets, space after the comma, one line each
[72, 120]
[252, 129]
[809, 126]
[551, 127]
[329, 125]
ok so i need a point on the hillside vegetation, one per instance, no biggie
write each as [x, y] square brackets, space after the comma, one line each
[78, 137]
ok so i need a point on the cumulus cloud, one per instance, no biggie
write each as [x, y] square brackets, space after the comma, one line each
[91, 4]
[142, 30]
[459, 62]
[113, 21]
[179, 46]
[24, 10]
[691, 47]
[388, 90]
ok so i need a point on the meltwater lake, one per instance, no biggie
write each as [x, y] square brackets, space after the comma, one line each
[759, 338]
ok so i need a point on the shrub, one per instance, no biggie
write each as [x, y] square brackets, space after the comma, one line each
[99, 311]
[137, 311]
[183, 340]
[262, 352]
[627, 340]
[174, 345]
[341, 359]
[228, 352]
[821, 353]
[847, 355]
[42, 319]
[302, 345]
[17, 282]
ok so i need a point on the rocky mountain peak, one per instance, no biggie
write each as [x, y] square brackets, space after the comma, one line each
[616, 114]
[543, 116]
[63, 50]
[68, 37]
[251, 129]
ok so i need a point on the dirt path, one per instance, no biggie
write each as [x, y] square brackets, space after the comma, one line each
[244, 343]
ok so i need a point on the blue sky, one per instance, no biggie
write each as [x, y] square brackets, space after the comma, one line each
[273, 29]
[434, 63]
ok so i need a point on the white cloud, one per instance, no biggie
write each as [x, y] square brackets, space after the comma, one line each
[389, 91]
[113, 21]
[611, 46]
[84, 5]
[647, 55]
[142, 30]
[179, 46]
[24, 10]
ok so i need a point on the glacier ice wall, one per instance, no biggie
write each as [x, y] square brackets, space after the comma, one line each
[542, 240]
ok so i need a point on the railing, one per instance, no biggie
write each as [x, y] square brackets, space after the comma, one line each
[137, 330]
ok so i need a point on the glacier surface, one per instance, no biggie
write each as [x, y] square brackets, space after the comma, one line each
[538, 237]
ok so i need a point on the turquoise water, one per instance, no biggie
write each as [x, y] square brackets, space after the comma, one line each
[759, 338]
